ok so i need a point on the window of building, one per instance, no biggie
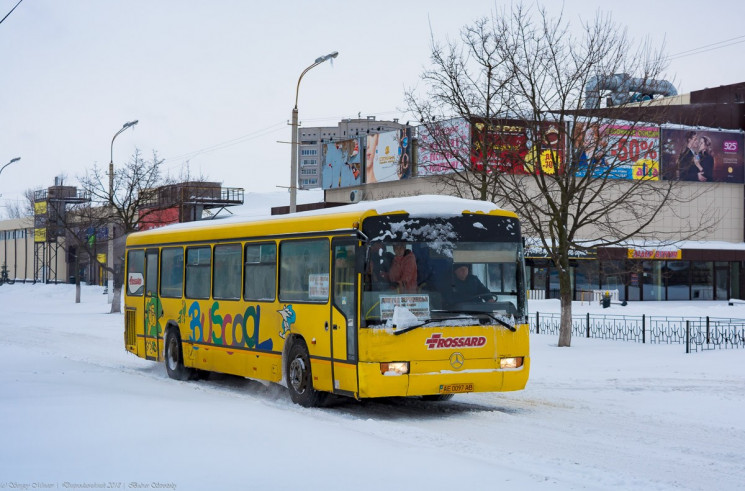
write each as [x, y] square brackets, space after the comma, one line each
[653, 285]
[227, 272]
[260, 272]
[702, 280]
[304, 271]
[306, 152]
[309, 162]
[678, 275]
[171, 272]
[615, 276]
[586, 278]
[309, 172]
[198, 262]
[734, 279]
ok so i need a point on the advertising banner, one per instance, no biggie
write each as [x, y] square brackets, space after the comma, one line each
[618, 151]
[342, 164]
[702, 155]
[508, 146]
[388, 156]
[443, 147]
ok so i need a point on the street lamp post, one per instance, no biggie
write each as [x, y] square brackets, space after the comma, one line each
[110, 255]
[11, 161]
[293, 159]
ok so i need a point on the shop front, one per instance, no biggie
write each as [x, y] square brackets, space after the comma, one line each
[646, 274]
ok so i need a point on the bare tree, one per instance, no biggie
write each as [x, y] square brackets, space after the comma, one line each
[535, 141]
[133, 203]
[22, 208]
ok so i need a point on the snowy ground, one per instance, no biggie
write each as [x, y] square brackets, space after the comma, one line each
[78, 412]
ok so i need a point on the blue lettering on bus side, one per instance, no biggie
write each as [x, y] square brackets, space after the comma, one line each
[199, 334]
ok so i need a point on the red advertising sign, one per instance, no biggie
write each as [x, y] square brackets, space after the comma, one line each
[510, 146]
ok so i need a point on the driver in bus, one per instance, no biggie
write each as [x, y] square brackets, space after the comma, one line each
[467, 287]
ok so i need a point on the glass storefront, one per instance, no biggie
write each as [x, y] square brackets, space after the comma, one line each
[643, 280]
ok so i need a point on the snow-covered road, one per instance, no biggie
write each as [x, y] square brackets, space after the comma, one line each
[77, 411]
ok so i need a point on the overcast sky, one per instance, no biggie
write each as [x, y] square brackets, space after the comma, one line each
[212, 83]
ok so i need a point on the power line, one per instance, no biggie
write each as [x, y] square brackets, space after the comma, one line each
[708, 47]
[229, 143]
[11, 11]
[169, 161]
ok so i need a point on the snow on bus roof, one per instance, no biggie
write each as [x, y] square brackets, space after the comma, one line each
[416, 206]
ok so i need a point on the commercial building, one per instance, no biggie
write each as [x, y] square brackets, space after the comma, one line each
[708, 266]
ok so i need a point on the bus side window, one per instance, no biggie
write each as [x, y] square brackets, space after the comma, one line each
[304, 270]
[171, 272]
[227, 273]
[136, 272]
[260, 272]
[198, 272]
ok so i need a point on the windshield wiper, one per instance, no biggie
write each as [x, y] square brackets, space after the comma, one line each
[430, 321]
[423, 323]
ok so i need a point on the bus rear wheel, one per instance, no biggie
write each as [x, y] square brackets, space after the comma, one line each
[175, 357]
[300, 378]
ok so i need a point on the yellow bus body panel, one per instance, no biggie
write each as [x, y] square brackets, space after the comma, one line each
[247, 338]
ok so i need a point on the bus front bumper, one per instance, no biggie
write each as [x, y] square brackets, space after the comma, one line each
[438, 377]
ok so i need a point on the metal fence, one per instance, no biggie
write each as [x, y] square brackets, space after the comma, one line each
[696, 333]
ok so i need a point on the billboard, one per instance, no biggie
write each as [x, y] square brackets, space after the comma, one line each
[618, 151]
[388, 156]
[508, 145]
[342, 164]
[702, 155]
[443, 147]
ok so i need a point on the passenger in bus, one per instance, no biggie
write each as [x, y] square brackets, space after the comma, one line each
[424, 271]
[403, 269]
[379, 264]
[467, 287]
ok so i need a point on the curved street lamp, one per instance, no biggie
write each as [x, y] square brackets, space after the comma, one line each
[110, 255]
[111, 162]
[293, 159]
[11, 161]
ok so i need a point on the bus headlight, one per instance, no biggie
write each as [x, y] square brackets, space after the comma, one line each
[394, 368]
[515, 362]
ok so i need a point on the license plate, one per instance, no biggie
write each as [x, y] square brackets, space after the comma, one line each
[455, 388]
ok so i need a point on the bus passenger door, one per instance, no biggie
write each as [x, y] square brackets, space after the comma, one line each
[344, 317]
[153, 310]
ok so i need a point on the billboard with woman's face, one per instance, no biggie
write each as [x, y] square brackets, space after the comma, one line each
[702, 155]
[388, 156]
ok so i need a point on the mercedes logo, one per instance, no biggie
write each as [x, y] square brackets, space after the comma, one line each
[457, 360]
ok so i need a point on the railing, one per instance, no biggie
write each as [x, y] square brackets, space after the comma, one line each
[697, 333]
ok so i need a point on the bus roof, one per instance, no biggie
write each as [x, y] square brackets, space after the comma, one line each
[328, 219]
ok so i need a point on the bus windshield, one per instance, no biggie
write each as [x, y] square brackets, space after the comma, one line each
[446, 270]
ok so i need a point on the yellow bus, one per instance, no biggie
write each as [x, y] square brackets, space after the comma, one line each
[326, 301]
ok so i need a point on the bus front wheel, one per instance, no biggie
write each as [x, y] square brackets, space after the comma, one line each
[299, 377]
[175, 357]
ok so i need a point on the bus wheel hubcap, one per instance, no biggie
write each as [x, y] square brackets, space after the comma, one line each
[297, 374]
